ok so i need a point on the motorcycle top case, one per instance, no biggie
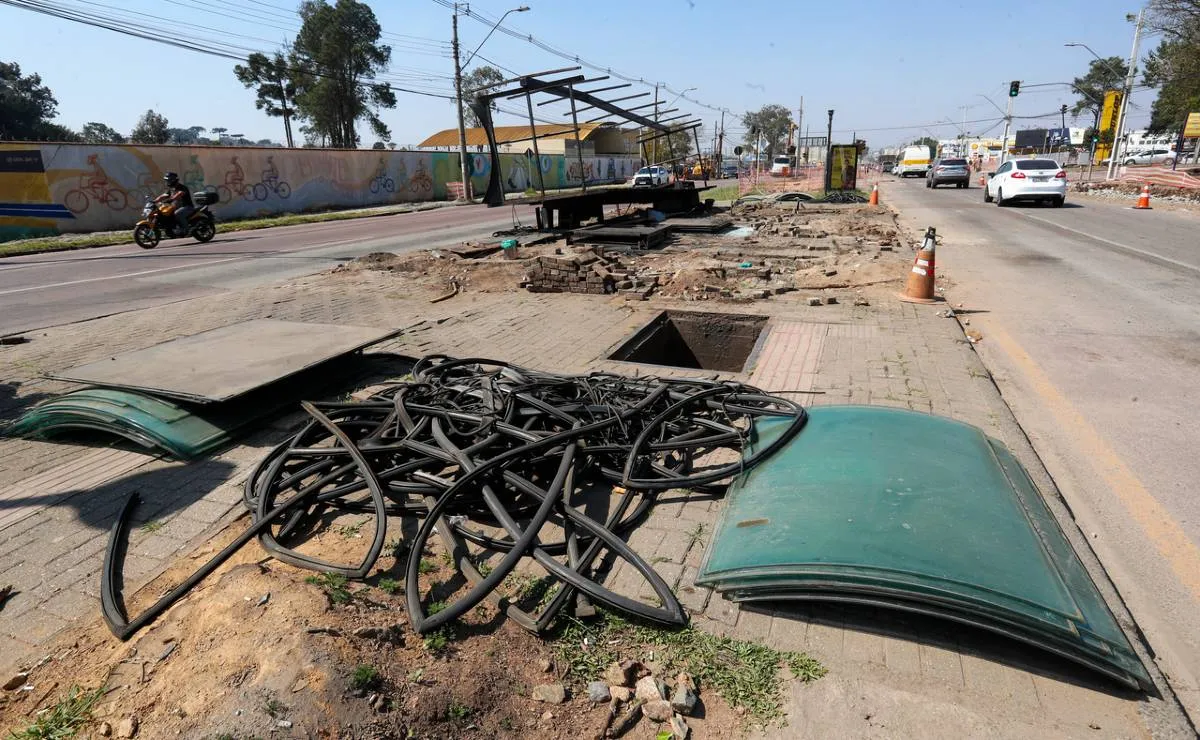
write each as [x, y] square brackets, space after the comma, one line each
[204, 198]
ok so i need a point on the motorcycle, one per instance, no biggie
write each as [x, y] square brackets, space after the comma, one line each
[158, 222]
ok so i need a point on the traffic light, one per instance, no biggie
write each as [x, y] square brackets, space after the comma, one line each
[1095, 138]
[1014, 88]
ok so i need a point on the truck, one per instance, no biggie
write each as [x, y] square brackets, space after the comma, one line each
[888, 160]
[914, 162]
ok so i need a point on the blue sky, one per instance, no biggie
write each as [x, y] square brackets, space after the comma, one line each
[892, 70]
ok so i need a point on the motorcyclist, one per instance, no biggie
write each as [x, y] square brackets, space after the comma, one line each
[180, 197]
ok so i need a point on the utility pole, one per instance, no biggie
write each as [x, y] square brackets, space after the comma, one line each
[721, 144]
[829, 151]
[462, 128]
[799, 123]
[1007, 124]
[1133, 57]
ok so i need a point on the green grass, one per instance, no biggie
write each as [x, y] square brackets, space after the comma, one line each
[746, 674]
[426, 566]
[389, 585]
[149, 527]
[366, 678]
[64, 719]
[334, 585]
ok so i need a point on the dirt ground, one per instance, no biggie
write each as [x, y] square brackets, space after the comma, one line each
[794, 247]
[262, 649]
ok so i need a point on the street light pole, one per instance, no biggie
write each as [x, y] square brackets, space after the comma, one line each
[458, 98]
[458, 95]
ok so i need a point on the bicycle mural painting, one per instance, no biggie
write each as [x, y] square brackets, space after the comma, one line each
[381, 181]
[421, 182]
[96, 185]
[235, 183]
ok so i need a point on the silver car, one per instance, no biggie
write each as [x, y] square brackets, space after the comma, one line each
[949, 171]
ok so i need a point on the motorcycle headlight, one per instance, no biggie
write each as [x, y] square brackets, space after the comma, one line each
[147, 209]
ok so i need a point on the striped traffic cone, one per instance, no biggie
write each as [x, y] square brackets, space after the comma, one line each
[1143, 203]
[875, 195]
[920, 278]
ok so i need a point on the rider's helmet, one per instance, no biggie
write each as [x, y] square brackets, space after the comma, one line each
[171, 178]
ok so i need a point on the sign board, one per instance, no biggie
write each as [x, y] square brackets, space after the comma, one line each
[1191, 129]
[813, 141]
[1111, 110]
[842, 174]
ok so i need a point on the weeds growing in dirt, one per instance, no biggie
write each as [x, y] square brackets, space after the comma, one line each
[366, 678]
[350, 531]
[426, 566]
[745, 674]
[334, 585]
[437, 641]
[458, 712]
[64, 719]
[274, 707]
[150, 527]
[389, 585]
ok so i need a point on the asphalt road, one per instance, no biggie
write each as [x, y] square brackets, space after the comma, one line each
[61, 287]
[1090, 316]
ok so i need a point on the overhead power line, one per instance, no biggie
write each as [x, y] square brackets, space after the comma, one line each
[212, 48]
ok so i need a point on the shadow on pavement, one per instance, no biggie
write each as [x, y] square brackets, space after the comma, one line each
[936, 632]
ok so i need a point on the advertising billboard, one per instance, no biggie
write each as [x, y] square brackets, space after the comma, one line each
[842, 174]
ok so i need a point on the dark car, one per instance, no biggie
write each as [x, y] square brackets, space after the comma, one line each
[729, 171]
[948, 171]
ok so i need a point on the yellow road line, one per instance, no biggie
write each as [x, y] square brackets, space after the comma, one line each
[1156, 522]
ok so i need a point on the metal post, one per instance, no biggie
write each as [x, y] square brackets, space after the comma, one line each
[537, 155]
[1129, 77]
[656, 121]
[721, 145]
[696, 136]
[462, 128]
[829, 150]
[578, 143]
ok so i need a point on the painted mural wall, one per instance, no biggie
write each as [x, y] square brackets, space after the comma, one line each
[49, 189]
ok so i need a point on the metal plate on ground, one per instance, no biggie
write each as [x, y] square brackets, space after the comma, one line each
[224, 363]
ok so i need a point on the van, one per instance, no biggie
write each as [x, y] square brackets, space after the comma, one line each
[914, 161]
[781, 166]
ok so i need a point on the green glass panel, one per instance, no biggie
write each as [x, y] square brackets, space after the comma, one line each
[147, 420]
[895, 505]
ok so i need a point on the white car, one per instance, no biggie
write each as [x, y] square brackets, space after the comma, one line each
[781, 166]
[1027, 179]
[1151, 156]
[652, 177]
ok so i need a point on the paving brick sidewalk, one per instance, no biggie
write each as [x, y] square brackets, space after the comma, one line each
[889, 676]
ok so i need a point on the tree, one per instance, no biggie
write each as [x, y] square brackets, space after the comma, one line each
[26, 105]
[189, 135]
[773, 122]
[95, 132]
[670, 149]
[927, 141]
[219, 131]
[273, 81]
[1174, 67]
[335, 58]
[151, 128]
[51, 131]
[1102, 75]
[482, 79]
[379, 145]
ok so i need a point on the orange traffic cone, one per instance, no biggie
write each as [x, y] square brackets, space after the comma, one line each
[920, 279]
[1143, 203]
[875, 195]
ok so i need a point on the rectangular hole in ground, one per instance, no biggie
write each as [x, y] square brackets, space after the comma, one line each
[695, 340]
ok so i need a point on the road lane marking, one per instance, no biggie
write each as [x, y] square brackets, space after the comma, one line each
[1118, 245]
[253, 255]
[1172, 543]
[49, 286]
